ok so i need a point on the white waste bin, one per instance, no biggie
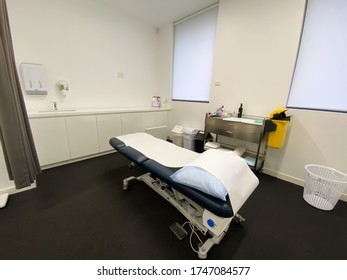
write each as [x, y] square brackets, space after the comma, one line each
[323, 186]
[177, 135]
[189, 138]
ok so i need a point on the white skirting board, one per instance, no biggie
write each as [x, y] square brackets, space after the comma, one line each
[6, 192]
[12, 190]
[296, 181]
[3, 200]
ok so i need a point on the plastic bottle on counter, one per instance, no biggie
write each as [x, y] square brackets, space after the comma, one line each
[219, 111]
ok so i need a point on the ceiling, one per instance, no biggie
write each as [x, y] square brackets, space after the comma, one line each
[158, 12]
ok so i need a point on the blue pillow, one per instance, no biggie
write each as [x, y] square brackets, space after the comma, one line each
[200, 179]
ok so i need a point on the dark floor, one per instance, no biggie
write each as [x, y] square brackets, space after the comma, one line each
[79, 211]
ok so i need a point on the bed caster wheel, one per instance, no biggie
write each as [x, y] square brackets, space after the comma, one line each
[238, 219]
[202, 254]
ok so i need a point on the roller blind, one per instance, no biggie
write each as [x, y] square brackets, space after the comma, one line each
[320, 76]
[194, 40]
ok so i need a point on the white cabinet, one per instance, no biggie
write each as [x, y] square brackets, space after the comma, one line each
[50, 139]
[67, 136]
[109, 125]
[82, 135]
[131, 123]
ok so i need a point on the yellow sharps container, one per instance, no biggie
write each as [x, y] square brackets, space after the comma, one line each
[276, 138]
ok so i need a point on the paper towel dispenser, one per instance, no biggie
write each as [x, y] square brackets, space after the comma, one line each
[34, 78]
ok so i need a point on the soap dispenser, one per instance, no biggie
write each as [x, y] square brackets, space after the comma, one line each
[63, 87]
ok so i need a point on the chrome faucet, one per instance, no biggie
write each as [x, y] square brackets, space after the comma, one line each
[55, 105]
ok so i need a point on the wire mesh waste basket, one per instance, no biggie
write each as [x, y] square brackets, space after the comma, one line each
[323, 186]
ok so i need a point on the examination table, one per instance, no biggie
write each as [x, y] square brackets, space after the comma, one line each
[208, 188]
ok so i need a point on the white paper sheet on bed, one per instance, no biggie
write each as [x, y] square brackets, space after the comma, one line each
[164, 152]
[231, 169]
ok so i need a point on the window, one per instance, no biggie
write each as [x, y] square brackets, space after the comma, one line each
[194, 39]
[320, 80]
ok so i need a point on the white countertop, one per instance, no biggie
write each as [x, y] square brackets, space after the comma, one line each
[97, 111]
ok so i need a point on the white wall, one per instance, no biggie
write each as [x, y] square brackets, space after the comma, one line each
[87, 44]
[255, 54]
[256, 46]
[314, 137]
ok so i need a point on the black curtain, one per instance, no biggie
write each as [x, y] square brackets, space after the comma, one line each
[15, 134]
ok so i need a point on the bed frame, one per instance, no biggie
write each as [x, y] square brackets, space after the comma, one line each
[205, 213]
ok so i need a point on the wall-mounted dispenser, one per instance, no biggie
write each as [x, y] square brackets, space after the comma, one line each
[34, 78]
[63, 87]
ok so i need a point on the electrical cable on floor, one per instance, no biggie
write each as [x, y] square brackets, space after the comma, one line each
[193, 231]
